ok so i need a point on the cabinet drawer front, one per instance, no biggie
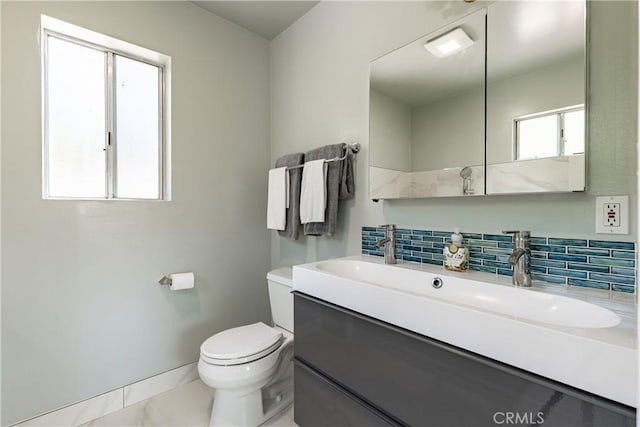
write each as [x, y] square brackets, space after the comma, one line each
[318, 402]
[420, 381]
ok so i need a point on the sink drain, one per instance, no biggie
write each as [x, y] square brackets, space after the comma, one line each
[436, 283]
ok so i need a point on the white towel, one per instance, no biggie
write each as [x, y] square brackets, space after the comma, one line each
[313, 191]
[278, 198]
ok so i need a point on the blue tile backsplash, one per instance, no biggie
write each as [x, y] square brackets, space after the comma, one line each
[579, 262]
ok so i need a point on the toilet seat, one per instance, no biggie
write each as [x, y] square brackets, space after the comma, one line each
[241, 345]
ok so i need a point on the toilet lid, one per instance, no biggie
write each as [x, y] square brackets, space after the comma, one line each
[241, 343]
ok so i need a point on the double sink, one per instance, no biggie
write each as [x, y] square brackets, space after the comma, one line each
[581, 337]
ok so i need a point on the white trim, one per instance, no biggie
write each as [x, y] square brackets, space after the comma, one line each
[73, 33]
[118, 46]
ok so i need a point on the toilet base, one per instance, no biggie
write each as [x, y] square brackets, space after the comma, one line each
[250, 409]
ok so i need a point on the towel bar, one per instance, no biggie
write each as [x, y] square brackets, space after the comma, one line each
[354, 148]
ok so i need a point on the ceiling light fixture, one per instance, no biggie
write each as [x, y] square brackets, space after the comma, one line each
[449, 44]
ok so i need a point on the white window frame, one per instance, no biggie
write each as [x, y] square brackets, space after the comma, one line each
[51, 27]
[559, 113]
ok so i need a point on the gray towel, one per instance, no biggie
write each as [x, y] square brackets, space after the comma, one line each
[295, 180]
[339, 186]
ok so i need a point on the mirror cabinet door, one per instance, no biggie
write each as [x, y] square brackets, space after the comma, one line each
[535, 97]
[427, 115]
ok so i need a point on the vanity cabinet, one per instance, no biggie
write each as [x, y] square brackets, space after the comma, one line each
[353, 370]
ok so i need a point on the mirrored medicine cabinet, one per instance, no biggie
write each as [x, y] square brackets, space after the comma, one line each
[493, 103]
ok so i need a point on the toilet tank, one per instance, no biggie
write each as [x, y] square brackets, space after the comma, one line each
[280, 297]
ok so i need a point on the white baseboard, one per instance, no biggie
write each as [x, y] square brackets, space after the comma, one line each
[99, 406]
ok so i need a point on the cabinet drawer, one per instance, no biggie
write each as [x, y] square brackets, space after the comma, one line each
[420, 381]
[318, 402]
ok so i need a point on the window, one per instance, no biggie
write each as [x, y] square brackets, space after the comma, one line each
[105, 117]
[550, 134]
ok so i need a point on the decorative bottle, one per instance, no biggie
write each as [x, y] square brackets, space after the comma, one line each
[456, 256]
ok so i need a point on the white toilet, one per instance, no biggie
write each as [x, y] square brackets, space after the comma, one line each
[250, 367]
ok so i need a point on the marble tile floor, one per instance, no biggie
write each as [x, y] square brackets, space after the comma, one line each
[186, 406]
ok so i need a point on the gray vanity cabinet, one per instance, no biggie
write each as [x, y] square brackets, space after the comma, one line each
[352, 370]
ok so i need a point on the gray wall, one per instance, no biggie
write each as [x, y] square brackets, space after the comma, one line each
[81, 310]
[448, 133]
[320, 90]
[390, 132]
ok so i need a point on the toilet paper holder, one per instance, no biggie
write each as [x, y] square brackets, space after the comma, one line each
[165, 281]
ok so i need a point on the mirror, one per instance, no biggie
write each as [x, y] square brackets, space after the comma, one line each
[535, 97]
[427, 113]
[426, 133]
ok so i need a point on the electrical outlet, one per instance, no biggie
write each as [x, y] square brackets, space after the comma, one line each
[612, 215]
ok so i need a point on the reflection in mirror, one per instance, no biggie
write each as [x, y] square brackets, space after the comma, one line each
[535, 97]
[427, 115]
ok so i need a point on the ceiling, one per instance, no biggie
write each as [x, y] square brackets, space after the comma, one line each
[266, 18]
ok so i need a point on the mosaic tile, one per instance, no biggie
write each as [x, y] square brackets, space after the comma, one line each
[432, 239]
[579, 262]
[443, 233]
[564, 257]
[432, 250]
[550, 279]
[547, 248]
[537, 240]
[623, 288]
[502, 265]
[505, 245]
[483, 243]
[611, 245]
[505, 272]
[497, 251]
[621, 280]
[623, 254]
[546, 263]
[616, 262]
[623, 271]
[568, 273]
[588, 267]
[589, 284]
[583, 251]
[468, 236]
[498, 237]
[567, 242]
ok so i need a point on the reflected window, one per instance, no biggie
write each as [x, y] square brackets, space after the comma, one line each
[550, 134]
[103, 122]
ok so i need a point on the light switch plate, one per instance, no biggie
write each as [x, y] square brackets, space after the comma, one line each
[612, 215]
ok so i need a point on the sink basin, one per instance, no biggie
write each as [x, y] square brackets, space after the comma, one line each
[554, 331]
[521, 303]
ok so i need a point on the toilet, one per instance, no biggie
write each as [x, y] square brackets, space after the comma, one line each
[250, 367]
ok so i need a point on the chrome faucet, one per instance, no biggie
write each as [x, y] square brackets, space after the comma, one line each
[520, 258]
[389, 243]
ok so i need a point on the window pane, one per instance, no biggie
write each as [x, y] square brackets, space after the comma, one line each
[574, 132]
[538, 137]
[137, 129]
[76, 120]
